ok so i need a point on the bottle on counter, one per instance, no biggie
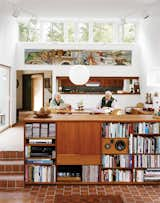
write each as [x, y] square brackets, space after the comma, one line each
[156, 103]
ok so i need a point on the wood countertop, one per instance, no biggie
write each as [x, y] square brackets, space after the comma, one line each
[92, 117]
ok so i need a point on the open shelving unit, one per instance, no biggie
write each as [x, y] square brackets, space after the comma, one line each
[101, 151]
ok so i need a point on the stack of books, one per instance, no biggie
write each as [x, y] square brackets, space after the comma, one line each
[113, 161]
[36, 130]
[152, 175]
[44, 129]
[39, 161]
[28, 130]
[52, 130]
[146, 128]
[146, 161]
[40, 173]
[90, 173]
[116, 175]
[116, 130]
[40, 141]
[146, 144]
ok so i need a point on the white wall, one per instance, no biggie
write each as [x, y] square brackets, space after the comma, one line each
[8, 39]
[149, 40]
[89, 100]
[8, 35]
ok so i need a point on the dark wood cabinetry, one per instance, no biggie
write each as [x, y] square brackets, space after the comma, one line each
[98, 85]
[103, 149]
[78, 143]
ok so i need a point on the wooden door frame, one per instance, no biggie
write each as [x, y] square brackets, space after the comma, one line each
[30, 74]
[42, 74]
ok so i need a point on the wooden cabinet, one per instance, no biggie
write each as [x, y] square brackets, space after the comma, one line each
[78, 142]
[101, 149]
[98, 85]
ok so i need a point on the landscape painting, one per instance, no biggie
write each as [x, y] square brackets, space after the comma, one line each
[78, 57]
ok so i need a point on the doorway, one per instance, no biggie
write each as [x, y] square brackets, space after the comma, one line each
[33, 94]
[34, 90]
[37, 92]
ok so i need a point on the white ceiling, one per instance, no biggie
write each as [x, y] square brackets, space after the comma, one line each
[88, 8]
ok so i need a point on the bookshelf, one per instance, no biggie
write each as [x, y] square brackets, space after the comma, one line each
[135, 161]
[40, 153]
[92, 149]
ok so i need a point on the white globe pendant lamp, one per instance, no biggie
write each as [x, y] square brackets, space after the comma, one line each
[79, 74]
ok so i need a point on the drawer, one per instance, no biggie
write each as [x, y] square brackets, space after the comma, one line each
[78, 159]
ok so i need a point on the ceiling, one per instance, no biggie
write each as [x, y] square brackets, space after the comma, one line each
[88, 8]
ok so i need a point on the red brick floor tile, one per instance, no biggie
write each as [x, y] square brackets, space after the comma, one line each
[11, 184]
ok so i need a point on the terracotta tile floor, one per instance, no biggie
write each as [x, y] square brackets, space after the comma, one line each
[88, 194]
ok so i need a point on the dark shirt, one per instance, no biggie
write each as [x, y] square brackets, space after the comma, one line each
[108, 103]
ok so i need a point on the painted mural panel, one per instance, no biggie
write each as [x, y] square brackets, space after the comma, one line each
[76, 57]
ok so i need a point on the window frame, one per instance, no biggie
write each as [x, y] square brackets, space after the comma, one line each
[116, 33]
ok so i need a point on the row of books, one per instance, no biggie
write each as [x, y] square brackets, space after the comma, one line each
[146, 128]
[146, 161]
[116, 175]
[142, 144]
[36, 130]
[113, 130]
[39, 161]
[40, 152]
[111, 161]
[90, 173]
[40, 173]
[40, 141]
[152, 175]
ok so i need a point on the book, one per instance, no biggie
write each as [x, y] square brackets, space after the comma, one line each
[36, 129]
[28, 130]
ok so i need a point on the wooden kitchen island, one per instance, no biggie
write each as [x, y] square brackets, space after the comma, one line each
[92, 149]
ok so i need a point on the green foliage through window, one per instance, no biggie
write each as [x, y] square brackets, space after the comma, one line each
[102, 32]
[56, 32]
[83, 32]
[71, 32]
[74, 32]
[129, 32]
[29, 32]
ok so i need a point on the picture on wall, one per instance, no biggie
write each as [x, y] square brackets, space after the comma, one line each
[78, 57]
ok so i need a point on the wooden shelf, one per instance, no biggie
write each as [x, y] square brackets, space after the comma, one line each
[39, 164]
[145, 154]
[40, 138]
[92, 183]
[145, 135]
[63, 179]
[42, 144]
[119, 168]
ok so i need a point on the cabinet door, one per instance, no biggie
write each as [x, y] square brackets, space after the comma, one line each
[78, 142]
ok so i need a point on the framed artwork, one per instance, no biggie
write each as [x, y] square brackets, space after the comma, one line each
[78, 57]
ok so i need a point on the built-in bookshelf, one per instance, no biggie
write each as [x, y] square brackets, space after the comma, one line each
[130, 152]
[40, 153]
[106, 150]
